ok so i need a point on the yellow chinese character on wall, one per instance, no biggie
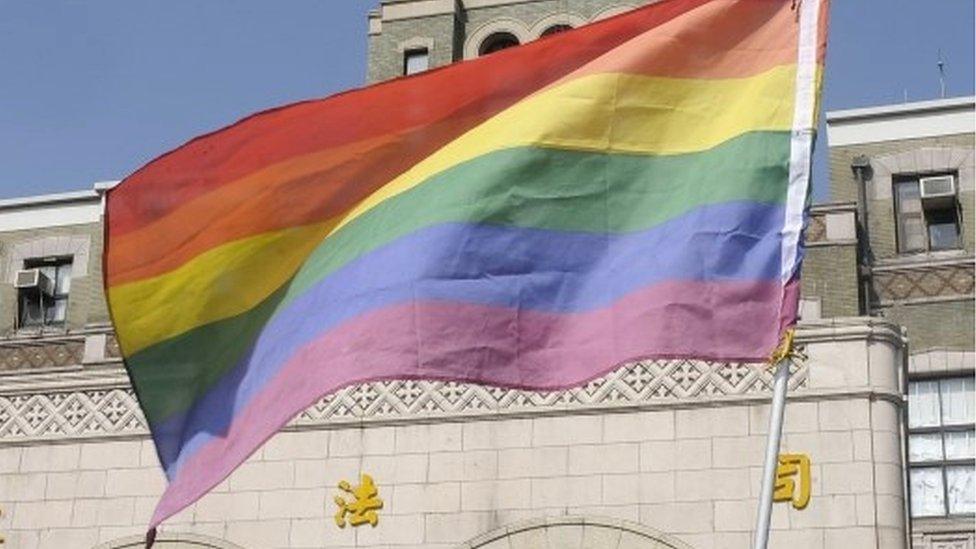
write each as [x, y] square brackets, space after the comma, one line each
[362, 509]
[2, 541]
[793, 480]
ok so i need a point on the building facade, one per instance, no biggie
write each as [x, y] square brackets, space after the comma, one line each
[655, 454]
[411, 35]
[906, 173]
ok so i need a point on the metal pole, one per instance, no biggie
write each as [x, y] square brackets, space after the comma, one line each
[861, 165]
[780, 380]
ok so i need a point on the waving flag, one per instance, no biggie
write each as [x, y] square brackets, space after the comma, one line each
[631, 189]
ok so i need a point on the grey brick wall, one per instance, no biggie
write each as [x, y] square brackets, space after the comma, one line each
[830, 273]
[881, 214]
[947, 325]
[386, 57]
[86, 301]
[449, 31]
[882, 228]
[842, 185]
[932, 323]
[96, 309]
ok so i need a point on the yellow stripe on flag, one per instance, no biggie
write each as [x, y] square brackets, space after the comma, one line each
[616, 113]
[220, 283]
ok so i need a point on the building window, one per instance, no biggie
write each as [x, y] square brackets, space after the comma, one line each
[556, 29]
[926, 213]
[46, 303]
[416, 60]
[497, 41]
[941, 447]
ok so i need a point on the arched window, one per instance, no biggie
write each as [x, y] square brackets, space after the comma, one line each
[556, 28]
[170, 540]
[497, 41]
[569, 531]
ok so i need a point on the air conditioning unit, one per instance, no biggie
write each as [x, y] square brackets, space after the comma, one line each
[34, 279]
[938, 186]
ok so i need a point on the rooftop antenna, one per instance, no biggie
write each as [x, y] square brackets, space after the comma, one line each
[942, 81]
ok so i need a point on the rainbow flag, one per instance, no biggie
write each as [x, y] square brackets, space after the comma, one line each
[631, 189]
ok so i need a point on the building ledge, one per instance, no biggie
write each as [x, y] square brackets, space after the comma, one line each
[850, 328]
[923, 260]
[901, 109]
[28, 354]
[833, 207]
[942, 525]
[91, 195]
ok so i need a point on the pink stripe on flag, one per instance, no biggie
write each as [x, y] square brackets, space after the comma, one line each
[495, 346]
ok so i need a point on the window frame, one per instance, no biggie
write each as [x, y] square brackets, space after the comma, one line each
[408, 53]
[923, 214]
[555, 28]
[58, 263]
[489, 42]
[942, 464]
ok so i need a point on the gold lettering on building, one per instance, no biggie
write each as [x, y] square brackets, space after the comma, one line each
[793, 480]
[363, 506]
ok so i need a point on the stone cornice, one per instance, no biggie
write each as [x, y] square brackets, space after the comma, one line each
[850, 329]
[925, 261]
[829, 243]
[832, 207]
[99, 403]
[77, 379]
[887, 303]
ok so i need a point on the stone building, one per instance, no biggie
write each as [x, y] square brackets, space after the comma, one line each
[655, 454]
[410, 35]
[910, 166]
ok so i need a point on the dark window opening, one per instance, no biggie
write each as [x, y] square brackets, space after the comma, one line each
[47, 303]
[925, 221]
[556, 29]
[943, 228]
[416, 60]
[496, 42]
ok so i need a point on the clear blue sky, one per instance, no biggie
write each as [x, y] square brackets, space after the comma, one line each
[91, 90]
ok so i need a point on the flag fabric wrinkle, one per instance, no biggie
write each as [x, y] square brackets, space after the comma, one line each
[632, 189]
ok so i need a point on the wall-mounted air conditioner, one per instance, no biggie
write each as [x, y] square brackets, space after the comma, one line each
[937, 186]
[34, 279]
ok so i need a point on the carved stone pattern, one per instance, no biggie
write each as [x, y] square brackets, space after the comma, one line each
[92, 413]
[70, 414]
[112, 346]
[921, 283]
[817, 229]
[645, 381]
[39, 356]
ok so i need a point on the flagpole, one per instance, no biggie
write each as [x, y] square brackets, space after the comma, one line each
[765, 511]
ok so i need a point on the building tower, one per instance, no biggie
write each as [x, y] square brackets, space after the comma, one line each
[407, 36]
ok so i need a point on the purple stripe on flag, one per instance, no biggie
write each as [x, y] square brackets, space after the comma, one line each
[528, 269]
[491, 345]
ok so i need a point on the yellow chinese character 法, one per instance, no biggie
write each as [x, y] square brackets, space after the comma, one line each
[787, 488]
[362, 509]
